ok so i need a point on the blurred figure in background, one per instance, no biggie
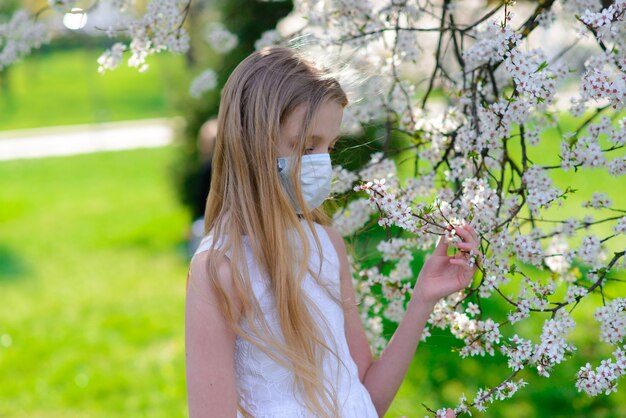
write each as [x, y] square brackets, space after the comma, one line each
[206, 143]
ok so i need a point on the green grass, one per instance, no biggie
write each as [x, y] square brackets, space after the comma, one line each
[64, 88]
[92, 282]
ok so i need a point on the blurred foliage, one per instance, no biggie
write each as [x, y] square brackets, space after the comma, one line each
[7, 7]
[60, 85]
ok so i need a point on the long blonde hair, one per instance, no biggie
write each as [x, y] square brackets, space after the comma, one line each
[247, 198]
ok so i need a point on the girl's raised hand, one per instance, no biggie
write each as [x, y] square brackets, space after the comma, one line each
[442, 274]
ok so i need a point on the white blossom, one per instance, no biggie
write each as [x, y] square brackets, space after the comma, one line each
[604, 378]
[541, 190]
[589, 250]
[19, 36]
[554, 255]
[343, 179]
[612, 318]
[553, 347]
[206, 80]
[111, 58]
[598, 201]
[220, 38]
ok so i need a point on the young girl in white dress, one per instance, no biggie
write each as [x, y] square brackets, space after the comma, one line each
[272, 328]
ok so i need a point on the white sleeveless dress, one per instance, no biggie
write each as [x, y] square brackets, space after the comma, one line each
[264, 387]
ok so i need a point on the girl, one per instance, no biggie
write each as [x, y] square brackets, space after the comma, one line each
[272, 327]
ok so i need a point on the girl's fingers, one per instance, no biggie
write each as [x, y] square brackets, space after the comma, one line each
[461, 262]
[458, 256]
[474, 233]
[466, 232]
[465, 245]
[467, 249]
[442, 246]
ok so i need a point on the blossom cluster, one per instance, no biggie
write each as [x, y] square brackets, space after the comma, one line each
[606, 80]
[612, 318]
[19, 36]
[206, 80]
[493, 43]
[607, 23]
[553, 346]
[482, 337]
[503, 391]
[220, 38]
[159, 29]
[603, 378]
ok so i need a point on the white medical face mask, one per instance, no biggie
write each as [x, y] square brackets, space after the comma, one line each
[316, 174]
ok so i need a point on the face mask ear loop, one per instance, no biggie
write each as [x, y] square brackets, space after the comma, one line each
[280, 164]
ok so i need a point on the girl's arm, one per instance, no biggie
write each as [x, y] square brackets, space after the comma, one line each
[439, 277]
[209, 345]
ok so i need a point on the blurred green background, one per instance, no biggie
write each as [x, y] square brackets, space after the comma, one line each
[93, 255]
[63, 87]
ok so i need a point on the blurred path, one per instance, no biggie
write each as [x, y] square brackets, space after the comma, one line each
[81, 139]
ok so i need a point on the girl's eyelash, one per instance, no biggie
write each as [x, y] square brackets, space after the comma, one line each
[330, 149]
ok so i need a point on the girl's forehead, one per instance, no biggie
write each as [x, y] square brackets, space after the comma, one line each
[325, 124]
[327, 120]
[293, 123]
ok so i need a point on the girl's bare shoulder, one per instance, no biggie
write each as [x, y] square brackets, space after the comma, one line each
[201, 280]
